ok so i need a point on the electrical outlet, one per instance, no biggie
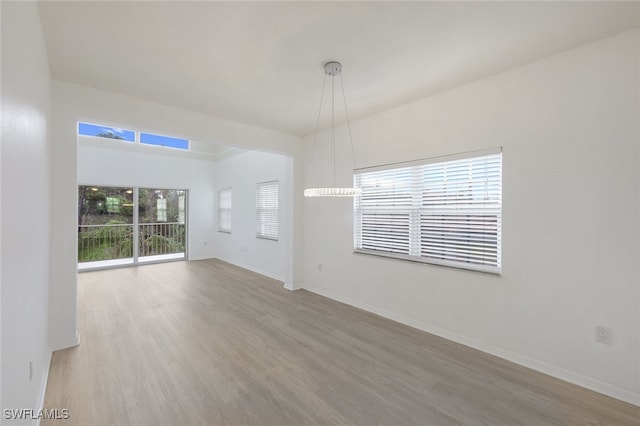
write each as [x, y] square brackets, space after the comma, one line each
[320, 267]
[205, 243]
[603, 335]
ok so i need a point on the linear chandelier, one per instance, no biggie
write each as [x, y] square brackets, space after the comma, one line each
[333, 69]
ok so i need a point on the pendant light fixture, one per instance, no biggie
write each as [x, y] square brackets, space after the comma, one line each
[333, 69]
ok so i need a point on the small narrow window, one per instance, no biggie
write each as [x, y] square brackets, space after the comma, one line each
[267, 210]
[224, 210]
[166, 141]
[86, 129]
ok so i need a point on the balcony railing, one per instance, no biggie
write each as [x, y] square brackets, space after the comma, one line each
[115, 241]
[105, 242]
[160, 238]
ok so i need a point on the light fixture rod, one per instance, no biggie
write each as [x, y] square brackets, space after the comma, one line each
[333, 126]
[346, 113]
[315, 137]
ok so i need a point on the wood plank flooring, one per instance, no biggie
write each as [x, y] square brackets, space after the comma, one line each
[208, 343]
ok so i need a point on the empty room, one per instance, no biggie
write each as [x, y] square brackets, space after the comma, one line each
[310, 212]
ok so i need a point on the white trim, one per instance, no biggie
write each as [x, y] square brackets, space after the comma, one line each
[135, 224]
[65, 344]
[291, 286]
[43, 388]
[534, 364]
[157, 258]
[430, 261]
[104, 264]
[202, 257]
[252, 269]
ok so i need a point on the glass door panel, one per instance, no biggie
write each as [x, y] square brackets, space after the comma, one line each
[161, 224]
[105, 226]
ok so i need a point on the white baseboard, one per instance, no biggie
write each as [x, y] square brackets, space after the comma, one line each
[200, 257]
[291, 286]
[534, 364]
[43, 388]
[45, 373]
[252, 268]
[65, 344]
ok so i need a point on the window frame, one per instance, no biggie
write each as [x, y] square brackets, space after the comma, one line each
[260, 223]
[406, 219]
[222, 210]
[135, 137]
[164, 141]
[108, 132]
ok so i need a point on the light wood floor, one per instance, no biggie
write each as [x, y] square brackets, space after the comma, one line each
[207, 343]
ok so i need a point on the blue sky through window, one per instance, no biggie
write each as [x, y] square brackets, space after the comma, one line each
[150, 139]
[87, 129]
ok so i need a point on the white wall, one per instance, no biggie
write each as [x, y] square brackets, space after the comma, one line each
[25, 207]
[73, 103]
[127, 168]
[569, 128]
[241, 247]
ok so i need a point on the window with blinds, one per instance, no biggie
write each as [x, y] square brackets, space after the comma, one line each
[267, 210]
[442, 212]
[224, 210]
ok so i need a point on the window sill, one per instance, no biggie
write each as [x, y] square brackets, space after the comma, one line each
[453, 265]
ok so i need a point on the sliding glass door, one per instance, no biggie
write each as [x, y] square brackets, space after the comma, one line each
[161, 224]
[105, 226]
[120, 226]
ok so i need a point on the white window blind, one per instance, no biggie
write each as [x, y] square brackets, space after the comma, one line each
[445, 212]
[267, 210]
[224, 210]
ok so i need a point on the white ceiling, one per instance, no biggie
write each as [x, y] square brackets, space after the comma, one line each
[261, 62]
